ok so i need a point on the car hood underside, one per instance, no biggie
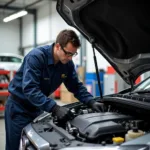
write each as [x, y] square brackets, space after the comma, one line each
[119, 30]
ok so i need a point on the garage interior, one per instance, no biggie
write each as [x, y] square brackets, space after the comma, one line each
[38, 26]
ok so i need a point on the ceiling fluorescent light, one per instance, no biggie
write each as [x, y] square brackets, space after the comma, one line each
[15, 16]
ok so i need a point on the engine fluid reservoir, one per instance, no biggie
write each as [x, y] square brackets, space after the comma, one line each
[132, 134]
[118, 140]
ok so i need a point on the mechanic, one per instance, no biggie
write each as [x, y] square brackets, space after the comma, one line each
[41, 73]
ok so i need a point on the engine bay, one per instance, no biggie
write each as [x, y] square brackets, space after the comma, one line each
[122, 123]
[95, 128]
[100, 126]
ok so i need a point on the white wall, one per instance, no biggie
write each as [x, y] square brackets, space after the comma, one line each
[43, 24]
[57, 23]
[28, 30]
[102, 63]
[49, 24]
[9, 37]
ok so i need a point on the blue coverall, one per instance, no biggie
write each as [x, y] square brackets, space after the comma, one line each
[36, 79]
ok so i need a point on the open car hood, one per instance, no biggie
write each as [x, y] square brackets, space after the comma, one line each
[119, 30]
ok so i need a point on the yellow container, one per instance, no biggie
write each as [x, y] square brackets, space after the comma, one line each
[118, 140]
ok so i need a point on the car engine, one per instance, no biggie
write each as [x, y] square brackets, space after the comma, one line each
[101, 125]
[89, 126]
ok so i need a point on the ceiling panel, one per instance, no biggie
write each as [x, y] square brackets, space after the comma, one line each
[4, 4]
[22, 3]
[4, 13]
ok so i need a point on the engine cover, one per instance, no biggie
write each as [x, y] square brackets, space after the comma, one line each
[95, 125]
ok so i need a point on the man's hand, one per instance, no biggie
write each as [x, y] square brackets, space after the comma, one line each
[62, 113]
[99, 107]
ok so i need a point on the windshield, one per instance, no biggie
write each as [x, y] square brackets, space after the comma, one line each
[144, 86]
[11, 59]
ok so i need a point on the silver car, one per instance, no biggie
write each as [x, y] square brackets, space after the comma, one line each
[10, 61]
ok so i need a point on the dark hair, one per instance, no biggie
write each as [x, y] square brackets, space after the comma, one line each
[66, 36]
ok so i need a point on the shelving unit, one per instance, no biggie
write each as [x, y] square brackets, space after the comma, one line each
[5, 77]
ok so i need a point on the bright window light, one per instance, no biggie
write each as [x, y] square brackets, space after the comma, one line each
[15, 16]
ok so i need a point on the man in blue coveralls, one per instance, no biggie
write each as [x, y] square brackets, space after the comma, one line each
[41, 73]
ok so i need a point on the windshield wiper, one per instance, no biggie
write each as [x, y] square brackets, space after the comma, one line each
[141, 91]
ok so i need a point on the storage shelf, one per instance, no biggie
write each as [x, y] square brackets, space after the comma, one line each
[4, 93]
[4, 85]
[4, 88]
[2, 108]
[4, 72]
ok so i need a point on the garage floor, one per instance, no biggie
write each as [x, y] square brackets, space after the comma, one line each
[2, 134]
[2, 130]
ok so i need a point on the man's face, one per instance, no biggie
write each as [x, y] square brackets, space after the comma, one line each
[66, 53]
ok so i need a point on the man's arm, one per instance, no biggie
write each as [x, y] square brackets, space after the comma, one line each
[80, 92]
[31, 83]
[31, 88]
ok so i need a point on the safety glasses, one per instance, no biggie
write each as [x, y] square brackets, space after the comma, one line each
[69, 54]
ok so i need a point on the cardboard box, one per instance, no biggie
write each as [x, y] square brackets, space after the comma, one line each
[81, 73]
[63, 87]
[66, 96]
